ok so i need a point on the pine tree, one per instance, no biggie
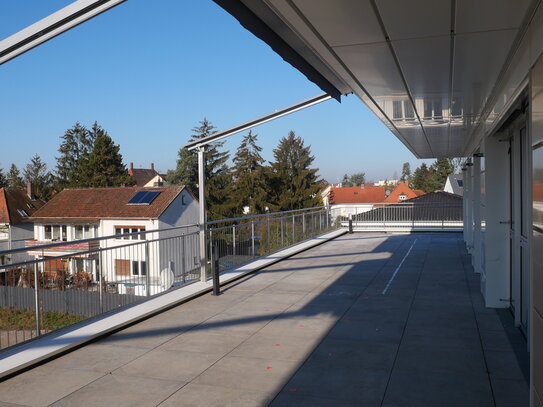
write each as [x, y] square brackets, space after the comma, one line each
[295, 184]
[441, 169]
[3, 179]
[216, 172]
[36, 173]
[421, 178]
[74, 151]
[346, 182]
[104, 166]
[14, 178]
[406, 172]
[248, 187]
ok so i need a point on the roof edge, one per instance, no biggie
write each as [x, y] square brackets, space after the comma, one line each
[250, 21]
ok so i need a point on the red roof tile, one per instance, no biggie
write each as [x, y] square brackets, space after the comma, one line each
[14, 199]
[403, 188]
[106, 203]
[357, 195]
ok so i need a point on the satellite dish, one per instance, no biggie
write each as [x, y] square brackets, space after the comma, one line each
[166, 279]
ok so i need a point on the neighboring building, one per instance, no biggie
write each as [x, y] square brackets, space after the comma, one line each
[427, 209]
[402, 193]
[345, 201]
[454, 184]
[76, 214]
[386, 182]
[16, 206]
[147, 177]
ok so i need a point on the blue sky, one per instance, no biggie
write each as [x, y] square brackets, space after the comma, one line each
[149, 71]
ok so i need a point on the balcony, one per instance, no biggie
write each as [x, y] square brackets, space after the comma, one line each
[363, 320]
[57, 247]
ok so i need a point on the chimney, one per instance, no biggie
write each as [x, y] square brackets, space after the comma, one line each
[153, 166]
[30, 190]
[131, 166]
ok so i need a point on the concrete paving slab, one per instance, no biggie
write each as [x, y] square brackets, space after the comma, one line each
[253, 374]
[121, 391]
[196, 395]
[422, 389]
[173, 365]
[45, 385]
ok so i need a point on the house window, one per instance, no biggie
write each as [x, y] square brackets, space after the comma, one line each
[408, 109]
[22, 212]
[122, 267]
[122, 231]
[397, 109]
[402, 197]
[84, 232]
[139, 268]
[55, 232]
[183, 201]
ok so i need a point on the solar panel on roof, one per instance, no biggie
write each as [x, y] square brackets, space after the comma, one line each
[143, 197]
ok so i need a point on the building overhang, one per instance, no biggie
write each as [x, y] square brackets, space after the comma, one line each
[438, 74]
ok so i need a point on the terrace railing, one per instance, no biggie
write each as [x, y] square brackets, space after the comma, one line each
[239, 240]
[407, 216]
[49, 285]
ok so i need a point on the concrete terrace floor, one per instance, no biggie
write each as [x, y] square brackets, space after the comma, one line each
[317, 329]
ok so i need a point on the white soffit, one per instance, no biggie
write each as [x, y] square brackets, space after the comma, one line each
[427, 85]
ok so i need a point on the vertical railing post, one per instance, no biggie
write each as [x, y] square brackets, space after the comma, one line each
[282, 240]
[215, 270]
[234, 240]
[303, 224]
[253, 239]
[293, 229]
[268, 226]
[37, 299]
[183, 260]
[148, 269]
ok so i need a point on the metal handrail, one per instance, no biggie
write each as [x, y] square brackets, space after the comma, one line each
[91, 239]
[263, 214]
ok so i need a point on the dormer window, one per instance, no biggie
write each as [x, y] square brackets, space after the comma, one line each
[22, 212]
[402, 197]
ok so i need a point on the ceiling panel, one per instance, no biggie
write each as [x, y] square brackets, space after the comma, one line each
[478, 60]
[437, 132]
[485, 15]
[425, 64]
[343, 22]
[375, 68]
[416, 138]
[415, 18]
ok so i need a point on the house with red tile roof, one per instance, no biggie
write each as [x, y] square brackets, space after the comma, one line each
[344, 201]
[77, 214]
[16, 207]
[402, 192]
[147, 177]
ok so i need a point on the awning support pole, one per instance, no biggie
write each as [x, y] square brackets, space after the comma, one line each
[202, 208]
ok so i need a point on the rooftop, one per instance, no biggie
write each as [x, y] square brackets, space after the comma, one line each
[109, 203]
[345, 195]
[366, 319]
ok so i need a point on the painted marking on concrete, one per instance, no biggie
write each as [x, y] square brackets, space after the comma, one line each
[268, 368]
[397, 269]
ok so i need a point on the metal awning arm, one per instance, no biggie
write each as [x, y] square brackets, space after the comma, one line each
[256, 122]
[54, 24]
